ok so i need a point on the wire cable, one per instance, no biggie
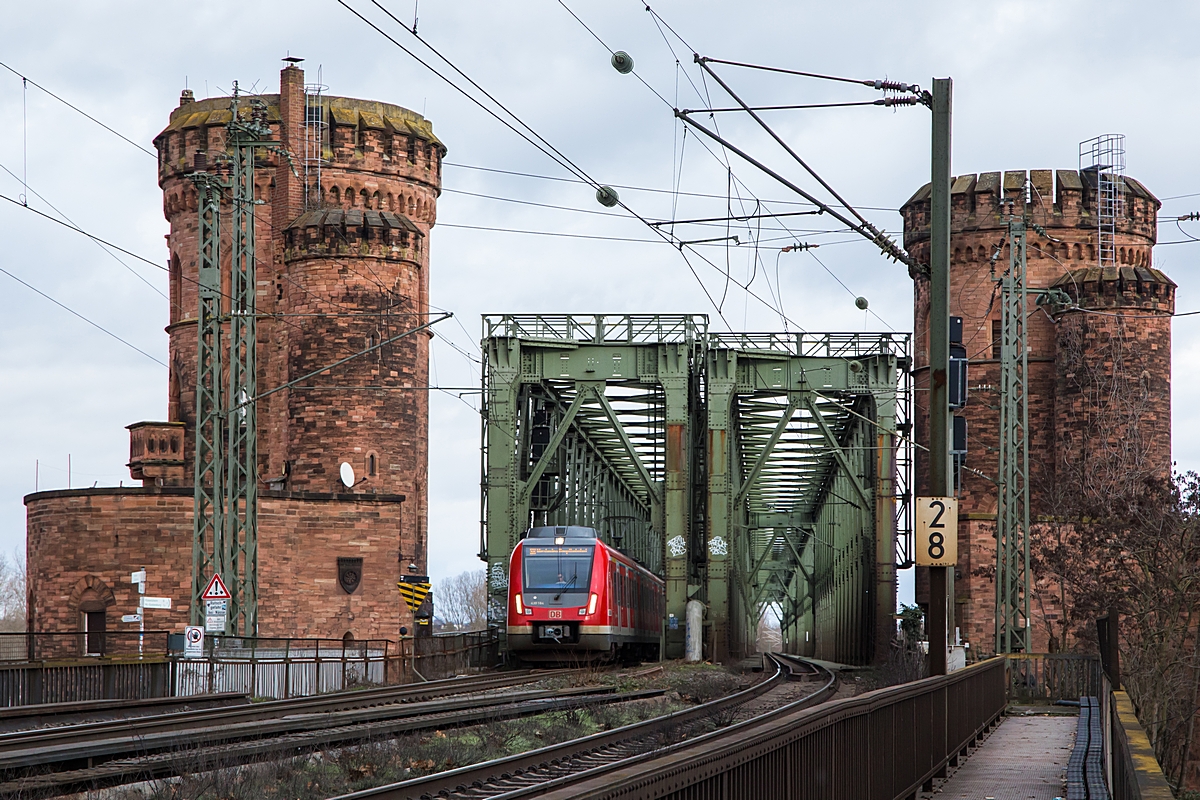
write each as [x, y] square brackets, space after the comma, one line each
[79, 110]
[135, 273]
[75, 313]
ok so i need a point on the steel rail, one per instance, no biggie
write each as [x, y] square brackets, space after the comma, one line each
[15, 718]
[563, 783]
[333, 702]
[885, 744]
[473, 778]
[198, 759]
[57, 746]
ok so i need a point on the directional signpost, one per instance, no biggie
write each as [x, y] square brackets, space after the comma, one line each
[216, 605]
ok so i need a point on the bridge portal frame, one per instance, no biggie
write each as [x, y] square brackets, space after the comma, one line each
[750, 470]
[589, 420]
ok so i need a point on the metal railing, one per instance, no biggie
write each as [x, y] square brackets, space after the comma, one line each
[25, 647]
[445, 655]
[1131, 769]
[883, 745]
[1049, 677]
[816, 345]
[599, 328]
[274, 668]
[283, 668]
[93, 679]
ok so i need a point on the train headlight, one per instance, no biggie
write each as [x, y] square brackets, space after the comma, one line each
[592, 601]
[520, 605]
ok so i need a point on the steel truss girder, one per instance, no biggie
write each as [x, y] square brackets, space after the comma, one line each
[798, 447]
[765, 461]
[612, 396]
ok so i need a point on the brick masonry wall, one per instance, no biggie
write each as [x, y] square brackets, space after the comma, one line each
[76, 537]
[1063, 203]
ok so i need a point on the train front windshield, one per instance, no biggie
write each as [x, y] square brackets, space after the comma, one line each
[558, 569]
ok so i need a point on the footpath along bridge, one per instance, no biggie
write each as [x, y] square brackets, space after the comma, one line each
[756, 472]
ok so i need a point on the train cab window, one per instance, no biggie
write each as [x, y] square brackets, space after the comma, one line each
[558, 568]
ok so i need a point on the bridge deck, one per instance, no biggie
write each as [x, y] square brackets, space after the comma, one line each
[1023, 759]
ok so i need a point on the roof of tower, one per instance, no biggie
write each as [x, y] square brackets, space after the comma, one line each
[1042, 180]
[369, 114]
[354, 218]
[1118, 287]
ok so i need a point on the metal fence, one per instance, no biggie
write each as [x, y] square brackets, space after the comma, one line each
[93, 679]
[1049, 677]
[282, 668]
[25, 647]
[274, 668]
[445, 655]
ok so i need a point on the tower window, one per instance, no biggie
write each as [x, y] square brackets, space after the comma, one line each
[372, 465]
[996, 339]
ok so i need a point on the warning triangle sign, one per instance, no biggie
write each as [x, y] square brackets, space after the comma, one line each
[216, 590]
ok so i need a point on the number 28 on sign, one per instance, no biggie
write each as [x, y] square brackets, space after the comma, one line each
[936, 535]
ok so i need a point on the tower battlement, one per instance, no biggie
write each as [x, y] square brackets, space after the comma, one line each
[1093, 288]
[335, 232]
[1059, 199]
[364, 134]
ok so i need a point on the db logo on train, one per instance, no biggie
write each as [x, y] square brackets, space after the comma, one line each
[936, 536]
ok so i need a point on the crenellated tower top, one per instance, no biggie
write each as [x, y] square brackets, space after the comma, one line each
[1061, 201]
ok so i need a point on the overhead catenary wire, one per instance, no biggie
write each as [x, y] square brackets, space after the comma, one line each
[541, 143]
[78, 109]
[58, 211]
[75, 313]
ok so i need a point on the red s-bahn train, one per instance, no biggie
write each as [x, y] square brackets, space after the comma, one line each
[572, 597]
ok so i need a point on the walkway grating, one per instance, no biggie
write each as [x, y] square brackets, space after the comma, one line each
[1024, 759]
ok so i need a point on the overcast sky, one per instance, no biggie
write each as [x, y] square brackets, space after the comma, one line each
[1031, 80]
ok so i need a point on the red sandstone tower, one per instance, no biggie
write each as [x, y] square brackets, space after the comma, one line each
[342, 264]
[1099, 367]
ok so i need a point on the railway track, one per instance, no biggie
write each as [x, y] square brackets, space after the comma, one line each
[19, 718]
[560, 765]
[79, 757]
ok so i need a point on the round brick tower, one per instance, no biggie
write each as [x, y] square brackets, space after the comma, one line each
[342, 264]
[1113, 379]
[1068, 350]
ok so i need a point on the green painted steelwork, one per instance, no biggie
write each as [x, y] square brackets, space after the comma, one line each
[587, 422]
[1012, 511]
[797, 426]
[225, 529]
[744, 468]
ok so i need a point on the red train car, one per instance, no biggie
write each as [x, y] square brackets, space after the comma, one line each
[572, 597]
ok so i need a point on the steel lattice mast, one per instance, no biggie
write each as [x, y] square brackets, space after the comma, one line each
[225, 531]
[1012, 511]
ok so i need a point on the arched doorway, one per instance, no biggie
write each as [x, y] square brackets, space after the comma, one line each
[92, 597]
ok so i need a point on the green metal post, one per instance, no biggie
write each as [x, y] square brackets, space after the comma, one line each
[721, 539]
[209, 463]
[240, 568]
[225, 528]
[885, 527]
[502, 473]
[940, 582]
[674, 371]
[1013, 629]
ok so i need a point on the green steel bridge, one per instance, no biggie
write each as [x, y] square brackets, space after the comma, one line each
[756, 472]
